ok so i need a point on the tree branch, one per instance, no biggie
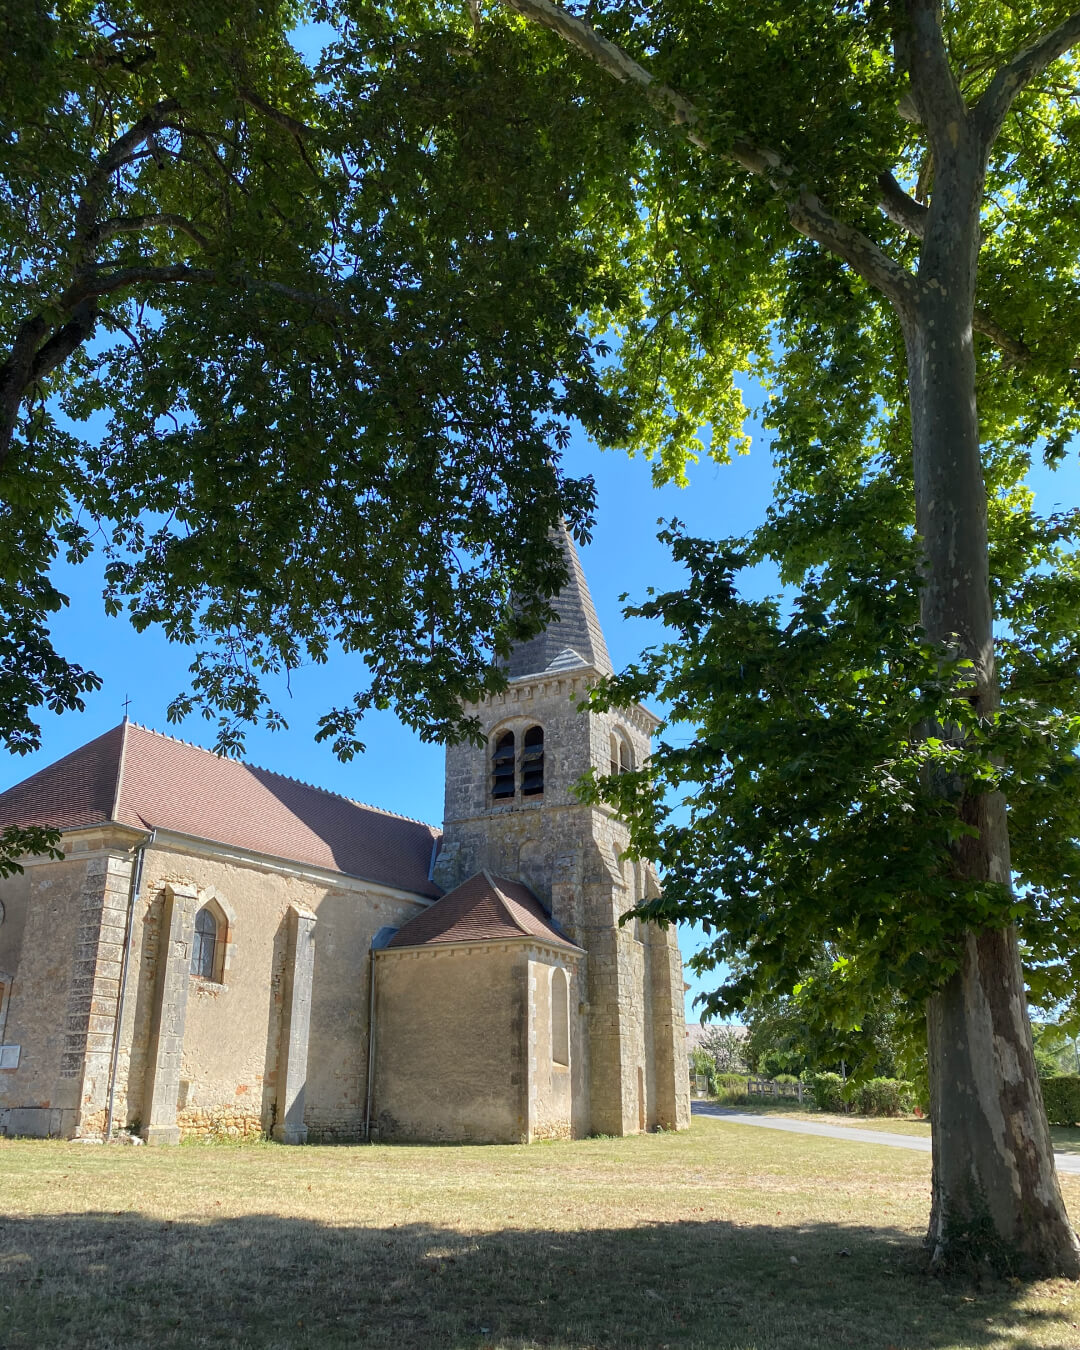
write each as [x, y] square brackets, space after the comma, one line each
[1015, 349]
[902, 209]
[806, 211]
[134, 224]
[107, 163]
[67, 339]
[1016, 74]
[283, 120]
[934, 90]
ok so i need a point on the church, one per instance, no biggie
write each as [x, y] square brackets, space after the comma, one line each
[226, 951]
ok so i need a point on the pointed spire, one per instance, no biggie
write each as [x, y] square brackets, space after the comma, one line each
[576, 639]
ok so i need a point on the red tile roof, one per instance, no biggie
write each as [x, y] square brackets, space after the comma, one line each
[482, 909]
[138, 777]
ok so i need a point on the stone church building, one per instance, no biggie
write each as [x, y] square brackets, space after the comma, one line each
[225, 950]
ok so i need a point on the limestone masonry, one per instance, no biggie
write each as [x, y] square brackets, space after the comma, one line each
[226, 951]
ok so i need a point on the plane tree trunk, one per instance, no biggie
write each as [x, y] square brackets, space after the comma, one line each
[995, 1194]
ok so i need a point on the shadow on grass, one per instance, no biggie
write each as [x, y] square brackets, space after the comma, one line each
[101, 1280]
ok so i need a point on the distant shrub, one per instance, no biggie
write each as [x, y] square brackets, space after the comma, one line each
[731, 1088]
[785, 1078]
[1062, 1098]
[702, 1066]
[827, 1091]
[884, 1097]
[876, 1097]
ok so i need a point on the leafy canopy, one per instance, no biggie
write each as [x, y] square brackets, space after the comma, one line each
[249, 351]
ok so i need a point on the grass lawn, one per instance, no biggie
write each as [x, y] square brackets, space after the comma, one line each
[1066, 1138]
[725, 1237]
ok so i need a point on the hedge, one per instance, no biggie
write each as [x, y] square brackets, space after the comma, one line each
[1061, 1096]
[876, 1097]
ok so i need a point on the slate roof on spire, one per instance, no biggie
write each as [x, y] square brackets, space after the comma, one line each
[140, 778]
[576, 633]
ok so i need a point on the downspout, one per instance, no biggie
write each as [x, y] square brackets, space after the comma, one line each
[370, 1050]
[133, 895]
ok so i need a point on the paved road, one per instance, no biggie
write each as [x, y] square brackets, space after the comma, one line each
[1066, 1162]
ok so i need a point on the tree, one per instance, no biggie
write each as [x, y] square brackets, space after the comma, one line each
[876, 184]
[725, 1046]
[799, 1033]
[317, 433]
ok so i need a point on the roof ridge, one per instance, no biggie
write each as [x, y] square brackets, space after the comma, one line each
[505, 902]
[119, 786]
[289, 778]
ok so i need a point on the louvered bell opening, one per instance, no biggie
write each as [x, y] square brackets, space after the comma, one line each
[502, 765]
[532, 763]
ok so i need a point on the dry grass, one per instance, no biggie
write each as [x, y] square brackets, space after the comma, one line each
[727, 1237]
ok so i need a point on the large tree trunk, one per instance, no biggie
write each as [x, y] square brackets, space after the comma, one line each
[995, 1190]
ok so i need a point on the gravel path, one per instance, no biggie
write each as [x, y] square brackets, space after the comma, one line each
[1066, 1162]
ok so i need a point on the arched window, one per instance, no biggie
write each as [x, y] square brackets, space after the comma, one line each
[208, 946]
[560, 1018]
[622, 757]
[532, 763]
[502, 765]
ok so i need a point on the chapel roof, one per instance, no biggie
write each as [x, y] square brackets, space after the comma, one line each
[575, 633]
[483, 908]
[141, 778]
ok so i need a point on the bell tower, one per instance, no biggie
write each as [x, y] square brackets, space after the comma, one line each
[511, 809]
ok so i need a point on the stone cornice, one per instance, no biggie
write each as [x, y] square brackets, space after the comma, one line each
[575, 684]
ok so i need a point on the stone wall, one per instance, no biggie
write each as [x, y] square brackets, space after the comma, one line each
[451, 1057]
[195, 1056]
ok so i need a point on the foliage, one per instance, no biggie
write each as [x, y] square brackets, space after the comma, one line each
[788, 1034]
[725, 1047]
[827, 1091]
[817, 815]
[1055, 1050]
[871, 1097]
[247, 352]
[884, 1097]
[703, 1065]
[1062, 1098]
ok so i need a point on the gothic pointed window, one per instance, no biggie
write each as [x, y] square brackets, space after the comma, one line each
[502, 767]
[207, 945]
[532, 763]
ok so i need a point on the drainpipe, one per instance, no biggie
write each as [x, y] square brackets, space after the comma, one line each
[370, 1050]
[133, 895]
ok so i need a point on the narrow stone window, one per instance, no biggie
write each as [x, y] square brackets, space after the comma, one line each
[622, 757]
[502, 764]
[560, 1018]
[208, 946]
[532, 763]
